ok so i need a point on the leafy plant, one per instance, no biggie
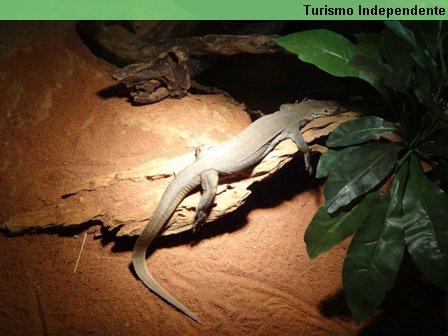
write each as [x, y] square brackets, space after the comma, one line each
[406, 65]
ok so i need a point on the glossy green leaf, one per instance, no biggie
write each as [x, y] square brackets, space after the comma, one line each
[369, 44]
[422, 58]
[325, 230]
[359, 130]
[382, 72]
[375, 254]
[425, 209]
[403, 32]
[419, 53]
[333, 160]
[422, 88]
[427, 34]
[397, 54]
[358, 173]
[327, 50]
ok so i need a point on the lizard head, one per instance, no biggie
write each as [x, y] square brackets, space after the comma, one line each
[321, 108]
[313, 109]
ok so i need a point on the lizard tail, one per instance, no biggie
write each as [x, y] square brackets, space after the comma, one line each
[142, 272]
[169, 202]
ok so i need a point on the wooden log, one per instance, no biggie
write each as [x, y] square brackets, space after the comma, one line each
[74, 208]
[129, 47]
[161, 64]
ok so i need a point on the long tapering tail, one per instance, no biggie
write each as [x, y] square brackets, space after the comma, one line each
[173, 195]
[140, 268]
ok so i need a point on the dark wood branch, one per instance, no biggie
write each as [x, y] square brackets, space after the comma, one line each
[217, 44]
[144, 47]
[167, 75]
[163, 68]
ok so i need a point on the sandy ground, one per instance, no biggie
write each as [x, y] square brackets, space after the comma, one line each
[247, 274]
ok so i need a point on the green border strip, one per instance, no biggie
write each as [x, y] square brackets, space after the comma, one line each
[221, 10]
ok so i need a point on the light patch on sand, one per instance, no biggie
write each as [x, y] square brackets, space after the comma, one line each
[69, 65]
[46, 104]
[88, 122]
[169, 132]
[13, 95]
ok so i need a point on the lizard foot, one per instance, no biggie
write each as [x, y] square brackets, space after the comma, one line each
[308, 166]
[199, 220]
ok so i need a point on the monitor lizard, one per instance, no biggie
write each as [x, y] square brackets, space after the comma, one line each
[234, 155]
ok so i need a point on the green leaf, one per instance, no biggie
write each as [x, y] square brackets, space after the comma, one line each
[403, 32]
[358, 173]
[332, 161]
[375, 254]
[360, 130]
[327, 50]
[423, 90]
[427, 34]
[425, 212]
[397, 54]
[326, 231]
[424, 60]
[420, 55]
[381, 72]
[369, 44]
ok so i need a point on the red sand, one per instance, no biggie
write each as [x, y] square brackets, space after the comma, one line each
[246, 275]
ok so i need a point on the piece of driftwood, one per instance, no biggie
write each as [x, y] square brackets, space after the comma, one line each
[146, 184]
[161, 64]
[129, 46]
[167, 75]
[168, 71]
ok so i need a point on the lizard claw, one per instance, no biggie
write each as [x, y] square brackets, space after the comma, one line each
[308, 166]
[310, 170]
[199, 220]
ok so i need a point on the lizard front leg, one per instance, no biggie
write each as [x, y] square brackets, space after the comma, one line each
[209, 184]
[297, 137]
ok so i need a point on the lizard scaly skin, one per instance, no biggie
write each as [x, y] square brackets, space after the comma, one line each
[238, 153]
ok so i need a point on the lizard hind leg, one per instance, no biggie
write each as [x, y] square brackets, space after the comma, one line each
[209, 184]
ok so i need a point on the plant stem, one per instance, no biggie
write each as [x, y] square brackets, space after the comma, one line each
[403, 159]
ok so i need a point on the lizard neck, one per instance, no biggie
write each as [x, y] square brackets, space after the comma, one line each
[307, 118]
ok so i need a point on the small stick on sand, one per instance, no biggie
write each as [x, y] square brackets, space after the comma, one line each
[80, 251]
[40, 309]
